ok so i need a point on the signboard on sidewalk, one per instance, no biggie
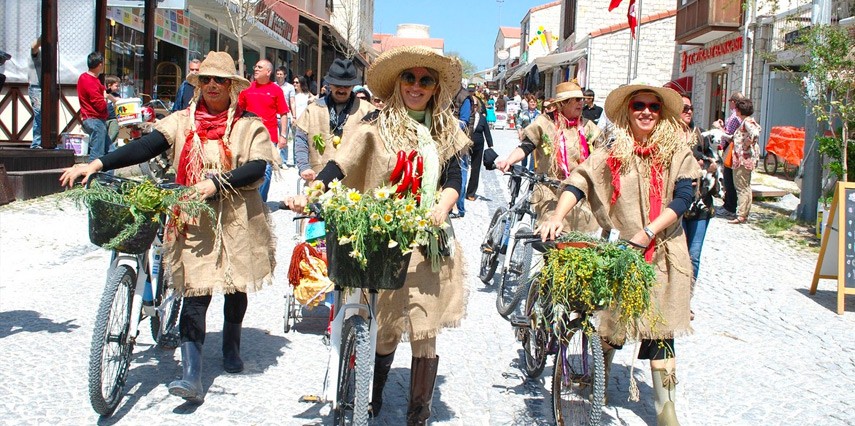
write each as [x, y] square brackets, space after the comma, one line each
[837, 254]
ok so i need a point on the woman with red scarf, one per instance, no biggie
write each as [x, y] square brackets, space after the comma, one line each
[640, 186]
[560, 141]
[221, 152]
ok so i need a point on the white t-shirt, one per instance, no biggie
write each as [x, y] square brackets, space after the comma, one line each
[301, 101]
[288, 90]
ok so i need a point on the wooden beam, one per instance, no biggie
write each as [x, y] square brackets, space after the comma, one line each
[50, 88]
[148, 47]
[100, 26]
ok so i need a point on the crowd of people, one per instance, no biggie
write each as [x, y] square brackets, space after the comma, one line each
[641, 176]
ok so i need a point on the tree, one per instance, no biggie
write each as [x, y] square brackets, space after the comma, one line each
[348, 19]
[468, 67]
[243, 14]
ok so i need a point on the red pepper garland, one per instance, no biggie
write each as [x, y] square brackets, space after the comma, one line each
[407, 174]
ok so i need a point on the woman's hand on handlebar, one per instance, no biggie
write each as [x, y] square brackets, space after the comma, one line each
[503, 165]
[70, 175]
[550, 229]
[297, 203]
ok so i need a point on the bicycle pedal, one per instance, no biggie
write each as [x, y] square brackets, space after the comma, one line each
[519, 321]
[310, 398]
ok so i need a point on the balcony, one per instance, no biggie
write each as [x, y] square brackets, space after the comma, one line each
[702, 21]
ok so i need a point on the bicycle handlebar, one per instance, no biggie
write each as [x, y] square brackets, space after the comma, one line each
[522, 172]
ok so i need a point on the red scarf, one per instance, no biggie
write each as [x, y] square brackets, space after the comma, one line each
[561, 148]
[208, 127]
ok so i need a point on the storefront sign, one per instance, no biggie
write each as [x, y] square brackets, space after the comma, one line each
[705, 54]
[161, 4]
[169, 25]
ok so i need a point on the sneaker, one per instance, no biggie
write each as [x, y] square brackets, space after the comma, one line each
[725, 213]
[455, 215]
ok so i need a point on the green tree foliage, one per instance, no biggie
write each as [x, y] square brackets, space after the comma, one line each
[468, 67]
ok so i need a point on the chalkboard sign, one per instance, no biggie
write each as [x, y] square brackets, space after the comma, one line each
[837, 253]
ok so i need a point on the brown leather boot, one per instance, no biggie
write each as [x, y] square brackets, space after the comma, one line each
[665, 394]
[382, 365]
[422, 381]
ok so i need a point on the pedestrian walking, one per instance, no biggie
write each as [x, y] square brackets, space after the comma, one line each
[729, 126]
[220, 151]
[93, 106]
[640, 186]
[491, 111]
[185, 92]
[466, 107]
[417, 84]
[480, 135]
[286, 122]
[525, 116]
[34, 77]
[746, 154]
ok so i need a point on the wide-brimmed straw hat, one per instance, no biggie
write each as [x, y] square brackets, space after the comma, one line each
[383, 73]
[219, 64]
[568, 90]
[618, 99]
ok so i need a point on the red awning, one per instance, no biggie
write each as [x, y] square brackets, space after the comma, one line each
[682, 84]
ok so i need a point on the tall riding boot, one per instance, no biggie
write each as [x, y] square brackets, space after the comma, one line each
[665, 394]
[190, 385]
[231, 347]
[382, 365]
[422, 381]
[608, 357]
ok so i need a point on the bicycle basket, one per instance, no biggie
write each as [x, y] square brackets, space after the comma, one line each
[386, 269]
[107, 220]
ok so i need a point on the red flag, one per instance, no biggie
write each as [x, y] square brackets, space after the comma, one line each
[631, 18]
[614, 4]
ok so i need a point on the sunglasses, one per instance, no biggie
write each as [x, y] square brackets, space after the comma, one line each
[688, 108]
[409, 79]
[205, 79]
[639, 106]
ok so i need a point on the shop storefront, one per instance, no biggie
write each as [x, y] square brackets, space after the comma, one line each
[715, 72]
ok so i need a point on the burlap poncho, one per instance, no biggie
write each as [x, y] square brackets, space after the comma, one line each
[243, 259]
[429, 301]
[543, 133]
[316, 121]
[672, 292]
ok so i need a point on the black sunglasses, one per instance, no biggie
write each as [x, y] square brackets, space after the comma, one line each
[409, 79]
[688, 108]
[641, 106]
[205, 79]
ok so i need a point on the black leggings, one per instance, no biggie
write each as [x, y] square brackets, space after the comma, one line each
[655, 349]
[195, 308]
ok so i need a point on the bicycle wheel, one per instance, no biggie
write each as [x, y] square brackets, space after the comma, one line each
[354, 374]
[578, 381]
[535, 337]
[164, 325]
[791, 170]
[289, 311]
[490, 246]
[110, 354]
[515, 276]
[770, 163]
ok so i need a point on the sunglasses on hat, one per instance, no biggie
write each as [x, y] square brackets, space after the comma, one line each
[641, 106]
[409, 79]
[205, 79]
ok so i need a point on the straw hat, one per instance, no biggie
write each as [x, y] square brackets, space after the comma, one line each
[220, 64]
[384, 71]
[619, 98]
[568, 90]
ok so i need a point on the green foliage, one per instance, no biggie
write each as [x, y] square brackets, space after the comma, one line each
[776, 225]
[832, 147]
[468, 67]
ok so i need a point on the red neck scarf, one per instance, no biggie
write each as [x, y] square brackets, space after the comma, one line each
[561, 151]
[208, 127]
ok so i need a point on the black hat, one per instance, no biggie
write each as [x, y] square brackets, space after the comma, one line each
[489, 159]
[342, 73]
[471, 87]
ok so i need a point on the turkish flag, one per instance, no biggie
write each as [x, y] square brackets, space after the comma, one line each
[614, 4]
[631, 18]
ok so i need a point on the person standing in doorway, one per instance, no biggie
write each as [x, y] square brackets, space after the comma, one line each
[93, 106]
[34, 76]
[185, 92]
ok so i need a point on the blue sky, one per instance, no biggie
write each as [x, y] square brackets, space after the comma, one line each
[469, 27]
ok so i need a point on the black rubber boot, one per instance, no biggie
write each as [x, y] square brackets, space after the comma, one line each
[231, 347]
[190, 385]
[382, 365]
[422, 381]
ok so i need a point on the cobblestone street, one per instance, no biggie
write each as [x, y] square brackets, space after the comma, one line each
[763, 352]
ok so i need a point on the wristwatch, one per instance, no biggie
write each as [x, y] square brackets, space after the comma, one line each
[649, 233]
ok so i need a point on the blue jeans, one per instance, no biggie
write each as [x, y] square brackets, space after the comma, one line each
[696, 230]
[35, 93]
[464, 171]
[265, 187]
[99, 142]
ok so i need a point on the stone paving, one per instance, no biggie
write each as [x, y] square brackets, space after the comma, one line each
[763, 351]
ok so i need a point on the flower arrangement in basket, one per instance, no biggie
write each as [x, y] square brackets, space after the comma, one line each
[124, 214]
[584, 274]
[371, 236]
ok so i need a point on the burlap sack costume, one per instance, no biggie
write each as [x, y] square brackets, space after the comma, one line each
[237, 251]
[429, 301]
[672, 293]
[316, 121]
[544, 133]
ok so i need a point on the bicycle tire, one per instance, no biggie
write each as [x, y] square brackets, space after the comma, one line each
[515, 277]
[578, 381]
[164, 330]
[770, 163]
[535, 337]
[790, 170]
[490, 247]
[111, 346]
[354, 374]
[289, 311]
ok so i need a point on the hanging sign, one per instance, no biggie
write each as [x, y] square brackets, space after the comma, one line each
[707, 53]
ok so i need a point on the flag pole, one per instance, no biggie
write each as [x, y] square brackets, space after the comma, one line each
[638, 16]
[629, 59]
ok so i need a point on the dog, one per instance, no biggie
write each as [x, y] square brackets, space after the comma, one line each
[713, 183]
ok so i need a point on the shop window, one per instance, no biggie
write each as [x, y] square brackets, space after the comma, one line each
[569, 19]
[718, 96]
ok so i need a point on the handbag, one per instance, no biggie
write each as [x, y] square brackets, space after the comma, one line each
[728, 156]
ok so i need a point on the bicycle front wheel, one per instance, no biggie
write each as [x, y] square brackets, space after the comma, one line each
[354, 374]
[514, 282]
[578, 381]
[490, 246]
[110, 355]
[535, 336]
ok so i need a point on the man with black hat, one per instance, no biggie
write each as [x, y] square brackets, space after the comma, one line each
[329, 119]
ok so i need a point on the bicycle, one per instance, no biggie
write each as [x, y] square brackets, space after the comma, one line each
[136, 289]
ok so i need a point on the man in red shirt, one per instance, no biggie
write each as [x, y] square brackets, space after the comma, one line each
[93, 106]
[267, 100]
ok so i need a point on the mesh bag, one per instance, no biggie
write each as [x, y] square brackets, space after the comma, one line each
[386, 269]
